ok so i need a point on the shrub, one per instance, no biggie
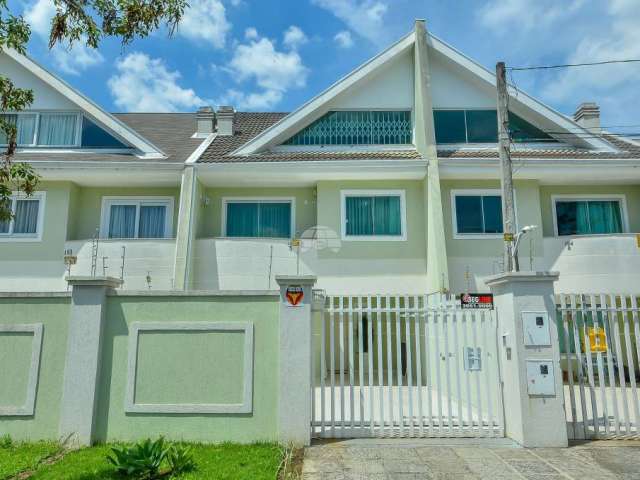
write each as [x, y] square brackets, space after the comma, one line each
[151, 459]
[180, 459]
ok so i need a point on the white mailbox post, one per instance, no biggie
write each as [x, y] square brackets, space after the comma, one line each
[530, 358]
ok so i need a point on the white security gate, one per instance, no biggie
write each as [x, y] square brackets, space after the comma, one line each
[408, 366]
[599, 343]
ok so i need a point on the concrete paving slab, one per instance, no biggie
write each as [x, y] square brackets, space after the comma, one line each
[472, 459]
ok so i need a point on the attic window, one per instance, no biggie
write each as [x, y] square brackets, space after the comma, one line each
[374, 127]
[58, 129]
[481, 126]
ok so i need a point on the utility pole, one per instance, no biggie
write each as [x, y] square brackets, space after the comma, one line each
[506, 173]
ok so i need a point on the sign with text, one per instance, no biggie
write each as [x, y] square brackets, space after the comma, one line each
[294, 295]
[482, 301]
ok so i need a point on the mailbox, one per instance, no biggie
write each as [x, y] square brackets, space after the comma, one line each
[540, 378]
[535, 328]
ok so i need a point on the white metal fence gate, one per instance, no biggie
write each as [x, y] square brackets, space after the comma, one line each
[599, 357]
[405, 366]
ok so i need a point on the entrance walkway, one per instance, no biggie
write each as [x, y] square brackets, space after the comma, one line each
[466, 459]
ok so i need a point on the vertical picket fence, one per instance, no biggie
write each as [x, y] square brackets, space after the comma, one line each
[599, 357]
[406, 366]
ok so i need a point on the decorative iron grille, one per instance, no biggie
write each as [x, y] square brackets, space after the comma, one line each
[357, 128]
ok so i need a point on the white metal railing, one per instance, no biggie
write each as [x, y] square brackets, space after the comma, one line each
[599, 343]
[405, 366]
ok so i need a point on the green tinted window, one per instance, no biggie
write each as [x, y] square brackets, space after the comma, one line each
[523, 131]
[449, 126]
[482, 126]
[357, 128]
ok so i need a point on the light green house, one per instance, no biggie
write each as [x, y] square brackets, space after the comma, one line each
[386, 182]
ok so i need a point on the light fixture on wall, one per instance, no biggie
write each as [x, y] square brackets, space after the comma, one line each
[516, 244]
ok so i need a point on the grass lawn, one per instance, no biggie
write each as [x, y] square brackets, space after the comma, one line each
[18, 457]
[223, 461]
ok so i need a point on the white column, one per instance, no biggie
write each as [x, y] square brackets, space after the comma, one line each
[294, 385]
[529, 354]
[82, 363]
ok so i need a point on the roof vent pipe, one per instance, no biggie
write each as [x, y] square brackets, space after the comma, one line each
[205, 121]
[588, 116]
[225, 116]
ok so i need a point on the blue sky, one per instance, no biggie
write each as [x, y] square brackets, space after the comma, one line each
[276, 54]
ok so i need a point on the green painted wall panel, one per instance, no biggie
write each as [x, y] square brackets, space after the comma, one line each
[87, 216]
[114, 424]
[210, 216]
[631, 193]
[218, 378]
[329, 215]
[15, 350]
[53, 313]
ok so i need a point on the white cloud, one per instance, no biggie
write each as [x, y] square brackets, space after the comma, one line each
[621, 40]
[294, 37]
[144, 84]
[503, 15]
[70, 59]
[365, 17]
[250, 33]
[344, 39]
[273, 71]
[205, 20]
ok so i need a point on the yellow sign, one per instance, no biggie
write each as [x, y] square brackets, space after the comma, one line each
[638, 239]
[295, 242]
[508, 237]
[597, 339]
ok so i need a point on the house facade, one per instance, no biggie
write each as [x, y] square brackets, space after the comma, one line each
[387, 182]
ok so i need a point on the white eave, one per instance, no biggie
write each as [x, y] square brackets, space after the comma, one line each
[130, 136]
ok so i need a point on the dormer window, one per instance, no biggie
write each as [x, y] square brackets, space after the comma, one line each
[357, 127]
[59, 130]
[481, 126]
[39, 129]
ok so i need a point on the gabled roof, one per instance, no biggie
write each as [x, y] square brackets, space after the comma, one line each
[121, 130]
[260, 143]
[300, 117]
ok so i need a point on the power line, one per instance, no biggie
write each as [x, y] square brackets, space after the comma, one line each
[568, 65]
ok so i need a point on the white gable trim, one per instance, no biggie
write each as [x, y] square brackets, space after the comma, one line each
[518, 96]
[300, 115]
[147, 149]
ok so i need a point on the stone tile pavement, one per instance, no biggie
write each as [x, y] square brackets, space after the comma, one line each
[463, 459]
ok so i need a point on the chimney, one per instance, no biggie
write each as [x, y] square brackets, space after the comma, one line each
[205, 121]
[225, 116]
[588, 116]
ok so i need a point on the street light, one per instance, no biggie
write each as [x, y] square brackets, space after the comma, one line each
[516, 244]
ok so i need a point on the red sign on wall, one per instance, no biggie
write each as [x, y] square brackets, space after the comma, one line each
[477, 300]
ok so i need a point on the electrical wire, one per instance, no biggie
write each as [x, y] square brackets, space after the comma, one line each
[569, 65]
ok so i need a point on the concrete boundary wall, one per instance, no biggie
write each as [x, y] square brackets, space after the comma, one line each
[197, 366]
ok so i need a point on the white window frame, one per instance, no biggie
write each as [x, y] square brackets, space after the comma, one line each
[227, 200]
[476, 192]
[36, 131]
[108, 201]
[621, 198]
[373, 193]
[26, 237]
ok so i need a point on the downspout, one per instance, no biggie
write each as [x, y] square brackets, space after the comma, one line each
[436, 248]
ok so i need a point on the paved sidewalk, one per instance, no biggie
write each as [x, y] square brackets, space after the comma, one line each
[463, 459]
